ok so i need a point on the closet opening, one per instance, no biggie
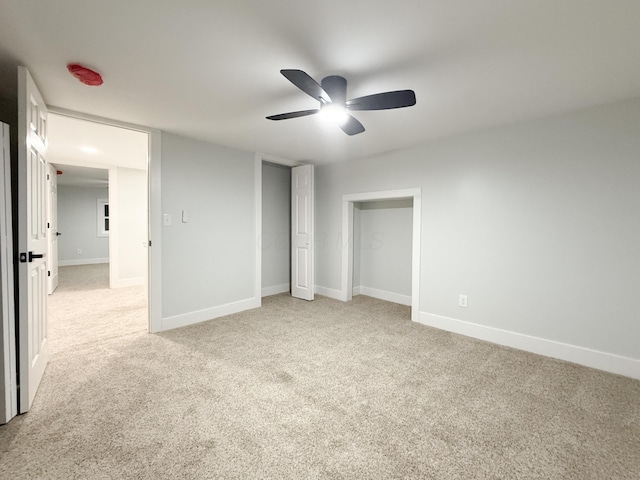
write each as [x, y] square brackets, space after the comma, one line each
[378, 250]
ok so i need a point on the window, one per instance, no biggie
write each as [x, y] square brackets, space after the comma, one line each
[103, 218]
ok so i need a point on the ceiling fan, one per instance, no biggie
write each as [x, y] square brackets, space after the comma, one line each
[332, 95]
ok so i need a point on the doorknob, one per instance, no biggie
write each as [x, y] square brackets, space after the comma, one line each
[58, 234]
[35, 255]
[23, 256]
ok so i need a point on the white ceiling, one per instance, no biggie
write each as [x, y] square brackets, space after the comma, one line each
[82, 176]
[210, 69]
[77, 142]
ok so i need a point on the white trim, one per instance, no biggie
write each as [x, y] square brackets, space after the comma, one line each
[279, 161]
[154, 246]
[52, 228]
[127, 282]
[97, 119]
[329, 292]
[82, 261]
[155, 207]
[206, 314]
[114, 264]
[608, 362]
[383, 295]
[347, 240]
[347, 249]
[276, 289]
[257, 189]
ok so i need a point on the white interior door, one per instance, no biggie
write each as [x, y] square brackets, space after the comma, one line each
[8, 382]
[302, 232]
[32, 238]
[52, 228]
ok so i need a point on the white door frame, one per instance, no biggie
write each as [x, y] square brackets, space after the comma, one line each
[348, 200]
[258, 159]
[52, 228]
[155, 209]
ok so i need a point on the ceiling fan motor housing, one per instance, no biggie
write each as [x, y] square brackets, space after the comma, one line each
[336, 87]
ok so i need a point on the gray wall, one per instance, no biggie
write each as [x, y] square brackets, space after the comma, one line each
[77, 222]
[210, 260]
[276, 225]
[536, 222]
[382, 245]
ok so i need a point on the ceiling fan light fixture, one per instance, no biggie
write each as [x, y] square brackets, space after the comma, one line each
[334, 113]
[331, 92]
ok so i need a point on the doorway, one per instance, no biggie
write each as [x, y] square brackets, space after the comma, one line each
[297, 179]
[81, 215]
[30, 342]
[349, 201]
[275, 238]
[103, 220]
[382, 237]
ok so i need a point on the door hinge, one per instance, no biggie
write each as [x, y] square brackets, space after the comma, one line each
[149, 242]
[47, 176]
[48, 273]
[48, 225]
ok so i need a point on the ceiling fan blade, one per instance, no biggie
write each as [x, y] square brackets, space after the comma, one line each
[383, 101]
[301, 113]
[307, 84]
[352, 126]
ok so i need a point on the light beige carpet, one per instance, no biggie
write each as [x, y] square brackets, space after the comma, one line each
[320, 390]
[83, 309]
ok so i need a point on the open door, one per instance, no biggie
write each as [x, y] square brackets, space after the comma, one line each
[32, 238]
[8, 382]
[52, 229]
[302, 232]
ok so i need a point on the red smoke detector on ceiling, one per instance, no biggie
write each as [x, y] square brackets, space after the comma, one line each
[85, 75]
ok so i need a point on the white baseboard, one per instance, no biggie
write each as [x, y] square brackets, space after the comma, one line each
[329, 292]
[199, 316]
[126, 282]
[383, 295]
[275, 289]
[82, 261]
[629, 367]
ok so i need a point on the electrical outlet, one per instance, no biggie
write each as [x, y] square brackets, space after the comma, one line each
[462, 301]
[79, 251]
[166, 219]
